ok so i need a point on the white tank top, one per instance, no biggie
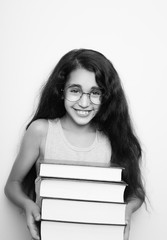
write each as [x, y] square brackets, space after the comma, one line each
[60, 149]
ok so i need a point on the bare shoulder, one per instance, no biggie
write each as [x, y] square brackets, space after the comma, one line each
[38, 127]
[35, 133]
[29, 149]
[33, 138]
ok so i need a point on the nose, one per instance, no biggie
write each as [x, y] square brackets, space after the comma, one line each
[84, 101]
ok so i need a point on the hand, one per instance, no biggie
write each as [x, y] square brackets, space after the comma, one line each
[131, 207]
[127, 231]
[128, 214]
[32, 212]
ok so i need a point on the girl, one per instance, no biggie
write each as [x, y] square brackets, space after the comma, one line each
[82, 116]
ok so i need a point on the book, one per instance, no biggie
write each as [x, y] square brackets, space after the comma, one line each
[81, 172]
[83, 211]
[82, 190]
[74, 231]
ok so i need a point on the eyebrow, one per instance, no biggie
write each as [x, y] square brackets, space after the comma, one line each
[78, 85]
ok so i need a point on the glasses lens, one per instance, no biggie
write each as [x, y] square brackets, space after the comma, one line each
[95, 96]
[73, 93]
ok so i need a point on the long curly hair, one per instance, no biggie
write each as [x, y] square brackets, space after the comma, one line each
[113, 117]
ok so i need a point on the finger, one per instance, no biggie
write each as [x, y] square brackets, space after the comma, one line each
[37, 215]
[126, 232]
[32, 228]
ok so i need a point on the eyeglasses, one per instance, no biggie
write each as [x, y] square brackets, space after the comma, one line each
[74, 94]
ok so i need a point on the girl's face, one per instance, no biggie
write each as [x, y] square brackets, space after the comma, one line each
[82, 97]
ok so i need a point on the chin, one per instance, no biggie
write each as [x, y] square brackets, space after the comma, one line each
[82, 121]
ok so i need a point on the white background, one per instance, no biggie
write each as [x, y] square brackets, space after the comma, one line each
[34, 34]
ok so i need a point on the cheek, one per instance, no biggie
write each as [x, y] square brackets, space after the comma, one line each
[66, 104]
[96, 109]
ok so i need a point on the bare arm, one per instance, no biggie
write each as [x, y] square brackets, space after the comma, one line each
[27, 156]
[133, 205]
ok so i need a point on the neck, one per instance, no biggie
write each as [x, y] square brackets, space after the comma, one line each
[70, 125]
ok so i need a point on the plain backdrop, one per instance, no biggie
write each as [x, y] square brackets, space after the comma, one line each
[34, 34]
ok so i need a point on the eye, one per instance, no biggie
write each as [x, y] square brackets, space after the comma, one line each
[96, 92]
[74, 90]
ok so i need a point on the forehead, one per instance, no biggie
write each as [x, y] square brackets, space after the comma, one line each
[82, 77]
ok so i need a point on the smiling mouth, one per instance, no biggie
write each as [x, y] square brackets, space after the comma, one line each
[83, 112]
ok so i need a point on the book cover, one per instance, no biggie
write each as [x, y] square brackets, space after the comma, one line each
[83, 211]
[82, 190]
[81, 172]
[74, 231]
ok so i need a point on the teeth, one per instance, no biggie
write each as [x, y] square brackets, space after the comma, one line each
[84, 113]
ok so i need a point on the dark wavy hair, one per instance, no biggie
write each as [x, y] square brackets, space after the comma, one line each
[112, 119]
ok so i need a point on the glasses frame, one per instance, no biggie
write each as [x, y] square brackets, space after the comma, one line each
[82, 93]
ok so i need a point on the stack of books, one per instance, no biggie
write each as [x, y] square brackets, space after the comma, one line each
[81, 202]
